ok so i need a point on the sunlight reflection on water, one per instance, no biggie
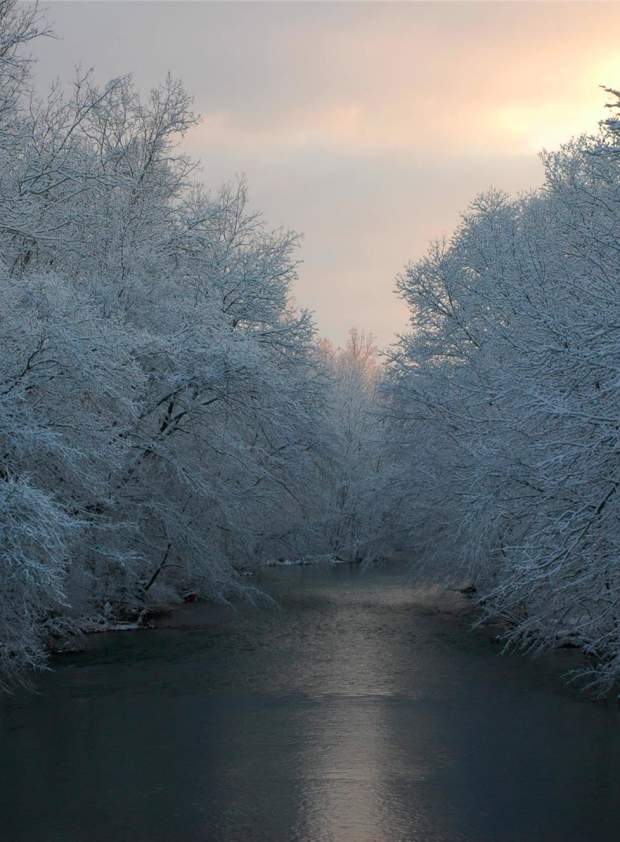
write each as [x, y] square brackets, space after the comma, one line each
[355, 713]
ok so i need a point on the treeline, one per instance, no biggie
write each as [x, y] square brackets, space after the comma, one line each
[166, 413]
[169, 417]
[504, 404]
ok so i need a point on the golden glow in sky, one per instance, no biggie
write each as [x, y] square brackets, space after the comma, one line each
[368, 127]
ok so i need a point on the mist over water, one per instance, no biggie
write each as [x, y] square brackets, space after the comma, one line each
[360, 710]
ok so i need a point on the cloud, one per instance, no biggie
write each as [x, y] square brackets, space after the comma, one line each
[367, 126]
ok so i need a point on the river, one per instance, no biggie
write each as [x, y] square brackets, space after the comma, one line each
[362, 709]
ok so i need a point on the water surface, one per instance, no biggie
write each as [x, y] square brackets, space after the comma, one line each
[356, 712]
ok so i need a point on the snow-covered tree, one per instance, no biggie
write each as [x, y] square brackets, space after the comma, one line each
[504, 402]
[355, 509]
[162, 401]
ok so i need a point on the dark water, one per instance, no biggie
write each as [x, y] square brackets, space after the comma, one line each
[355, 713]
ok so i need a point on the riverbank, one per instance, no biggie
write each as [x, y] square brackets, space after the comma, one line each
[179, 614]
[450, 603]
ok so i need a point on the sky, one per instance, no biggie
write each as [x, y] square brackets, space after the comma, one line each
[368, 127]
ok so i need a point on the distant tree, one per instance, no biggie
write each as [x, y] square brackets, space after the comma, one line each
[355, 507]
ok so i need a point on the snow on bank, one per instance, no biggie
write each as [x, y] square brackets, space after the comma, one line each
[302, 561]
